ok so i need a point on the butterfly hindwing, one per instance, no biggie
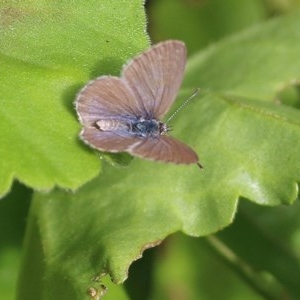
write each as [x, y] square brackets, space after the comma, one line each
[164, 148]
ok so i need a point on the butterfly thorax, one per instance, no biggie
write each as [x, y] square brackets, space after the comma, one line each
[146, 128]
[139, 127]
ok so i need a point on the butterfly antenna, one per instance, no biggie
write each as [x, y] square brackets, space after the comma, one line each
[183, 105]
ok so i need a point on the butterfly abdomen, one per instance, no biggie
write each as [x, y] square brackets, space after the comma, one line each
[139, 127]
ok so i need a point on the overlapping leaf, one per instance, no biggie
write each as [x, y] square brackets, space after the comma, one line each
[49, 49]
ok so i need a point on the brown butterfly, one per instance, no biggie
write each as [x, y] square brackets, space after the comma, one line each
[123, 113]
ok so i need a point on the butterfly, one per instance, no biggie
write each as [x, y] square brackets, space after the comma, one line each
[123, 114]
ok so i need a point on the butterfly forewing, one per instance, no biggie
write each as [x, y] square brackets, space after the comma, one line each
[155, 77]
[106, 97]
[164, 148]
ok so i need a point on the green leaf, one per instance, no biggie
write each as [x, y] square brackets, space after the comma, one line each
[49, 49]
[246, 133]
[257, 63]
[248, 142]
[260, 249]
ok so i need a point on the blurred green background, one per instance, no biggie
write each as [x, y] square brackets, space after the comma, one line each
[185, 267]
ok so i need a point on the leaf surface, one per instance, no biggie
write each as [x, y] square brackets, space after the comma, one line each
[49, 50]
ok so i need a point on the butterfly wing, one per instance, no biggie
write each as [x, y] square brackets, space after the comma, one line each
[147, 89]
[155, 77]
[107, 141]
[106, 97]
[164, 148]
